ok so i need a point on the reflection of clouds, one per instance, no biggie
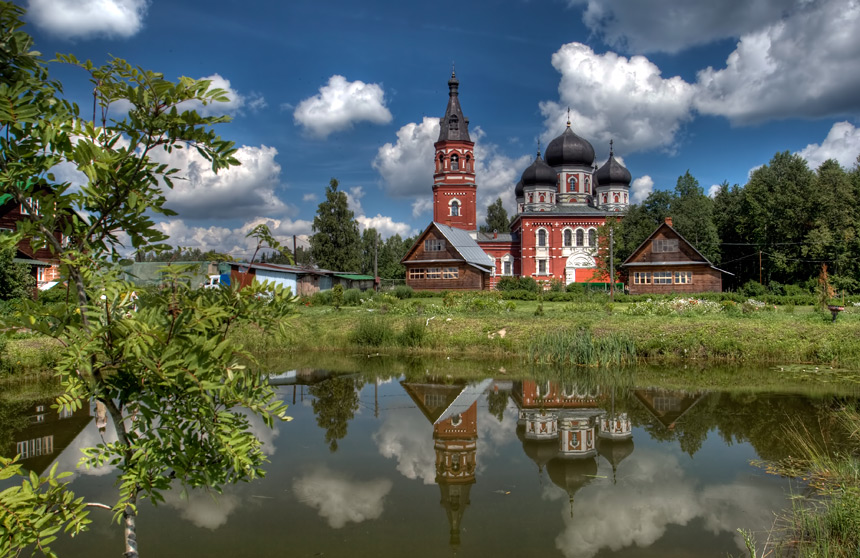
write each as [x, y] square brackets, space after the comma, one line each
[203, 508]
[492, 434]
[653, 494]
[263, 433]
[89, 437]
[340, 499]
[408, 437]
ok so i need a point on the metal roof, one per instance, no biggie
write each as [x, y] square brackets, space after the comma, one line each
[354, 277]
[466, 246]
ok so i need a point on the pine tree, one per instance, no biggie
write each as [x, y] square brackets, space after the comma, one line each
[336, 243]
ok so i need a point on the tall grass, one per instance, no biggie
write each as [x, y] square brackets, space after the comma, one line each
[580, 347]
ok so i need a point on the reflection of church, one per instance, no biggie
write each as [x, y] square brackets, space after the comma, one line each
[563, 427]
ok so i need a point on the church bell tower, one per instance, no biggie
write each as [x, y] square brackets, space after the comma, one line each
[454, 187]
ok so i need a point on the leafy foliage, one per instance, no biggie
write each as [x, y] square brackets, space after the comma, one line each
[15, 279]
[336, 242]
[497, 218]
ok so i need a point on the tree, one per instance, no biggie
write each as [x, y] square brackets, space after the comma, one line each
[497, 218]
[335, 243]
[693, 216]
[169, 373]
[15, 278]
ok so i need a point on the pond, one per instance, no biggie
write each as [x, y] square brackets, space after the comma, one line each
[429, 467]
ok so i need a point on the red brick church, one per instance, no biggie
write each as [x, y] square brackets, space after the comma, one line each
[561, 200]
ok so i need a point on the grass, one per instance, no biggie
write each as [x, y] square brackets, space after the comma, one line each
[825, 522]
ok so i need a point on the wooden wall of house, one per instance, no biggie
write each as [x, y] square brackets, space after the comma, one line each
[420, 254]
[10, 214]
[685, 252]
[705, 279]
[469, 279]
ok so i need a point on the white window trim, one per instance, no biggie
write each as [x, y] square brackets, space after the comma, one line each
[537, 237]
[459, 207]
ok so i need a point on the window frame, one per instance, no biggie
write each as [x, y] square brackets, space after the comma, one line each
[542, 238]
[662, 277]
[416, 273]
[641, 277]
[664, 245]
[434, 245]
[683, 277]
[434, 273]
[450, 273]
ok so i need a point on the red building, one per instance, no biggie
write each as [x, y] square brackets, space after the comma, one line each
[561, 201]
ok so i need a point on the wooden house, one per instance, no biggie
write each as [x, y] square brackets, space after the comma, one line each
[44, 265]
[447, 258]
[667, 263]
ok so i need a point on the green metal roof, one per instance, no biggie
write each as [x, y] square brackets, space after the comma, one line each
[354, 277]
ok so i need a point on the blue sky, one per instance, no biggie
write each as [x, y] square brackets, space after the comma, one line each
[352, 89]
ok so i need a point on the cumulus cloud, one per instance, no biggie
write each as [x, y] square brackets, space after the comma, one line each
[797, 66]
[714, 190]
[204, 508]
[408, 438]
[842, 144]
[310, 197]
[340, 105]
[235, 104]
[613, 97]
[385, 226]
[244, 191]
[232, 241]
[641, 188]
[671, 26]
[406, 166]
[340, 499]
[353, 199]
[87, 18]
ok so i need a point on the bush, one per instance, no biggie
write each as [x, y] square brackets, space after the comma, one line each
[556, 285]
[753, 289]
[576, 288]
[518, 284]
[337, 296]
[403, 292]
[372, 331]
[321, 298]
[352, 297]
[413, 334]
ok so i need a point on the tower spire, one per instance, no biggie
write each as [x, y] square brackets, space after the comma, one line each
[568, 117]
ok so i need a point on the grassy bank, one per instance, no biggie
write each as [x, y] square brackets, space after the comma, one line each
[528, 330]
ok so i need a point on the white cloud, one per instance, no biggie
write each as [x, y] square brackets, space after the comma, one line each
[714, 190]
[310, 197]
[234, 105]
[203, 508]
[842, 143]
[404, 437]
[672, 26]
[232, 241]
[339, 499]
[406, 167]
[798, 66]
[353, 199]
[85, 18]
[641, 188]
[385, 226]
[341, 104]
[613, 97]
[244, 191]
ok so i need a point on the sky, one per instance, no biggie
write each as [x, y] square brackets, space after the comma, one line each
[353, 91]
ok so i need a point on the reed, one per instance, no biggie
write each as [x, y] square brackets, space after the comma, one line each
[579, 347]
[372, 331]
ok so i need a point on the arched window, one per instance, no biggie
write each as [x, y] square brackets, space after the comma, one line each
[625, 198]
[541, 237]
[542, 198]
[468, 166]
[441, 164]
[604, 198]
[580, 237]
[531, 198]
[455, 163]
[455, 208]
[568, 237]
[571, 184]
[592, 238]
[616, 198]
[587, 185]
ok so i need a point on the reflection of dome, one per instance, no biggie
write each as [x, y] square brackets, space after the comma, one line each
[540, 451]
[572, 474]
[539, 174]
[612, 172]
[615, 451]
[569, 149]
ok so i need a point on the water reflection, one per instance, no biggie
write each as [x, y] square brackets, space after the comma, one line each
[501, 467]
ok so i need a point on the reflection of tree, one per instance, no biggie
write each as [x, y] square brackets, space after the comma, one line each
[335, 403]
[498, 402]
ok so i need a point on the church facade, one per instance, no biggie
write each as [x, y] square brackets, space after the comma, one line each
[561, 201]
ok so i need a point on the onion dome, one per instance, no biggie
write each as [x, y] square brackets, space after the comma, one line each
[539, 174]
[518, 189]
[612, 172]
[569, 149]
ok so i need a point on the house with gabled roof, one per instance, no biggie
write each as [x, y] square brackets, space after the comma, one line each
[667, 263]
[44, 264]
[447, 258]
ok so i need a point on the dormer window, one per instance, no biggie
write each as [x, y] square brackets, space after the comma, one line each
[453, 123]
[455, 163]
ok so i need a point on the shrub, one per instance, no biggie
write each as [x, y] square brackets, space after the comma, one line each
[372, 331]
[321, 298]
[556, 285]
[753, 289]
[413, 334]
[576, 288]
[352, 297]
[403, 292]
[337, 296]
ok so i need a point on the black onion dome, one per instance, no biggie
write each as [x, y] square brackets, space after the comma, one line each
[539, 174]
[612, 172]
[518, 190]
[569, 149]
